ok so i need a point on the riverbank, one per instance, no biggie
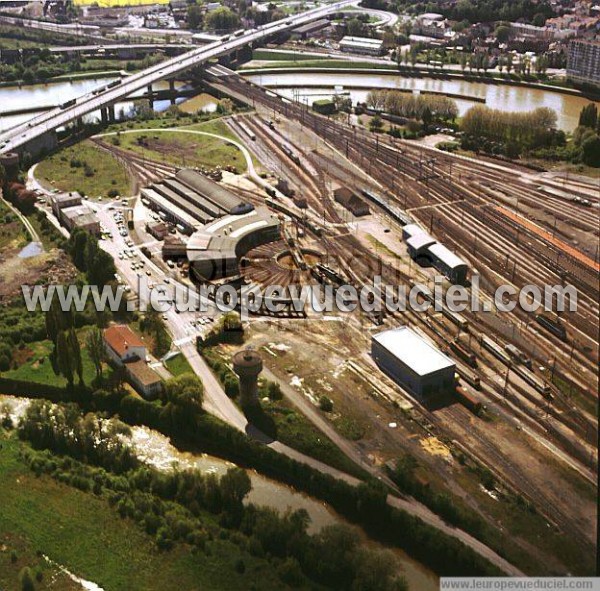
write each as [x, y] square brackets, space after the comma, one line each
[393, 70]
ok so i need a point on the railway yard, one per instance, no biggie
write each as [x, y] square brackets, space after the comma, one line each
[528, 383]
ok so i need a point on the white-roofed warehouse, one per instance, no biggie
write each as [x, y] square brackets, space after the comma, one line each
[412, 361]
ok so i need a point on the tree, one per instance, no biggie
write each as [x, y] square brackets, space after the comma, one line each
[376, 124]
[355, 27]
[222, 19]
[588, 117]
[26, 579]
[591, 151]
[194, 16]
[502, 33]
[96, 350]
[235, 485]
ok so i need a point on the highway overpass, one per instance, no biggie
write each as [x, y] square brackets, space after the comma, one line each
[39, 133]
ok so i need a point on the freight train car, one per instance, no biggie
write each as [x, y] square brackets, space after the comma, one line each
[468, 357]
[468, 400]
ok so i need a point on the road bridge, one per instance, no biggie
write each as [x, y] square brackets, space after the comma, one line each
[39, 133]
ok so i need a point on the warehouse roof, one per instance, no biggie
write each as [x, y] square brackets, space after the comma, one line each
[420, 241]
[412, 230]
[364, 42]
[446, 256]
[226, 200]
[413, 350]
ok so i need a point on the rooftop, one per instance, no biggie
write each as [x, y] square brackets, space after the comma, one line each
[120, 338]
[413, 350]
[447, 256]
[143, 373]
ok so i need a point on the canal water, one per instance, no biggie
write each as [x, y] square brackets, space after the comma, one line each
[155, 449]
[308, 87]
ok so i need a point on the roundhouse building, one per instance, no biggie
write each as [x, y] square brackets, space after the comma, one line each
[214, 251]
[412, 361]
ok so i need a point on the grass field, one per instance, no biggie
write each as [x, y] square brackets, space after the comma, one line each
[179, 365]
[187, 149]
[35, 365]
[57, 171]
[84, 534]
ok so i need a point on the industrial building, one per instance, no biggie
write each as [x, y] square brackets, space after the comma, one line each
[422, 245]
[309, 29]
[363, 45]
[190, 199]
[80, 216]
[351, 201]
[412, 361]
[214, 251]
[59, 201]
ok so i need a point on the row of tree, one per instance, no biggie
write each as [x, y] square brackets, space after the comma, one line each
[530, 129]
[410, 106]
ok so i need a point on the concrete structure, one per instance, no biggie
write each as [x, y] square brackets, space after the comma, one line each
[34, 136]
[362, 45]
[412, 361]
[247, 364]
[583, 63]
[448, 263]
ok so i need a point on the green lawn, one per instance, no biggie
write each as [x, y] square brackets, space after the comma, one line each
[83, 533]
[295, 430]
[57, 171]
[186, 149]
[37, 368]
[179, 365]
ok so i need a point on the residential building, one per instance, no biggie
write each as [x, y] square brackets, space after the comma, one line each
[583, 62]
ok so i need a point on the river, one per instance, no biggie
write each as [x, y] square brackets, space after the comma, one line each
[155, 449]
[309, 87]
[57, 93]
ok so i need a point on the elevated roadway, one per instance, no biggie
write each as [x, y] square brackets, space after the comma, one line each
[39, 133]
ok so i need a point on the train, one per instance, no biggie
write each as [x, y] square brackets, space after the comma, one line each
[553, 326]
[397, 214]
[290, 154]
[469, 376]
[468, 357]
[68, 104]
[495, 350]
[518, 356]
[320, 271]
[523, 372]
[247, 130]
[534, 381]
[468, 400]
[278, 206]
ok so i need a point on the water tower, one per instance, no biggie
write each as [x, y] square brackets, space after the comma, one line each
[247, 364]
